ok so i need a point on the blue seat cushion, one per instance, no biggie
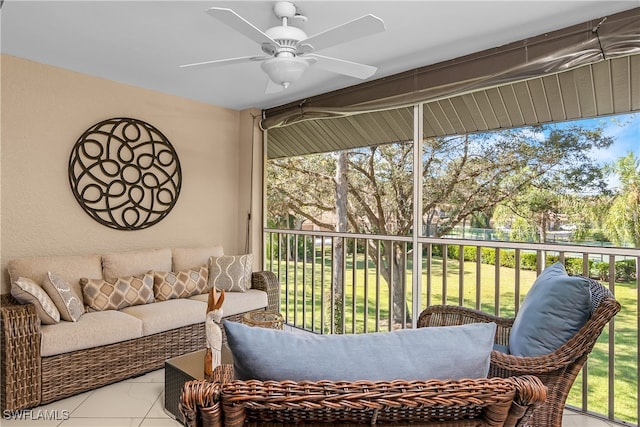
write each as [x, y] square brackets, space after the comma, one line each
[451, 352]
[556, 307]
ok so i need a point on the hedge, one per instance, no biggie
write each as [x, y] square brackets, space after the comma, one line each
[625, 270]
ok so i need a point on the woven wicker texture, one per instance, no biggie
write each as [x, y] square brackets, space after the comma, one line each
[264, 319]
[30, 380]
[557, 370]
[267, 281]
[20, 342]
[480, 402]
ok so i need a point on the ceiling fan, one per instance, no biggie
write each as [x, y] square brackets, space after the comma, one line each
[289, 50]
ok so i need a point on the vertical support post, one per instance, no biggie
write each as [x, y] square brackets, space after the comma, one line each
[418, 114]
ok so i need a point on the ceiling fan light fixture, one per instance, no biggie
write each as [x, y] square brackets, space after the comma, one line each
[285, 70]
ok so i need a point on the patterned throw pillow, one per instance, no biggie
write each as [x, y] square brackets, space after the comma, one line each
[231, 272]
[182, 284]
[64, 297]
[100, 295]
[26, 291]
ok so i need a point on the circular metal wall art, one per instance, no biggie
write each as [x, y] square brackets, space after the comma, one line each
[125, 174]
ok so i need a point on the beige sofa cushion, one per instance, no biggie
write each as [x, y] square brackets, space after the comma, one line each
[70, 268]
[188, 258]
[239, 302]
[166, 315]
[123, 264]
[91, 330]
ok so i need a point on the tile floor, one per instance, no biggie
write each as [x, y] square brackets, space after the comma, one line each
[139, 402]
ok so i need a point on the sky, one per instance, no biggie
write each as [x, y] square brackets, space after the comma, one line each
[625, 130]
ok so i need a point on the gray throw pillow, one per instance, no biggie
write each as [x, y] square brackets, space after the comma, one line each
[450, 352]
[69, 304]
[556, 307]
[231, 273]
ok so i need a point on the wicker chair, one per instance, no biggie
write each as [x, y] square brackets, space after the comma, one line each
[481, 402]
[557, 370]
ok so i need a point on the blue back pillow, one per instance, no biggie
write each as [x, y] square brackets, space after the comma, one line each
[450, 352]
[556, 307]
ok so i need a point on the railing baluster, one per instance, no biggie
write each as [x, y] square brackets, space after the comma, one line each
[391, 282]
[461, 276]
[343, 303]
[516, 289]
[332, 321]
[429, 273]
[445, 259]
[295, 280]
[405, 289]
[313, 283]
[304, 281]
[283, 258]
[496, 281]
[322, 280]
[378, 294]
[478, 278]
[366, 285]
[354, 284]
[286, 275]
[270, 239]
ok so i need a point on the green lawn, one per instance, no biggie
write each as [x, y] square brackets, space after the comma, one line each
[302, 306]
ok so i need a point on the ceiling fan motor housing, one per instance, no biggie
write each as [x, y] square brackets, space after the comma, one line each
[286, 36]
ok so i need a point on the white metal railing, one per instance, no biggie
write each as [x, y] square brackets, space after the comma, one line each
[461, 272]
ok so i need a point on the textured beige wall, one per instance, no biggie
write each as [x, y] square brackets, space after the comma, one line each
[44, 111]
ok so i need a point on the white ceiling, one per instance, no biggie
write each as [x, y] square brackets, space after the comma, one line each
[142, 43]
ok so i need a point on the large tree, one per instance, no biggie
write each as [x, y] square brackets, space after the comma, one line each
[462, 176]
[371, 193]
[622, 222]
[526, 169]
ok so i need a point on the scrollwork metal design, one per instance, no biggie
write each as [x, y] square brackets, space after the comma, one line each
[125, 174]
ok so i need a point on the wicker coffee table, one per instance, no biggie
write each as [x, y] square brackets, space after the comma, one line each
[179, 370]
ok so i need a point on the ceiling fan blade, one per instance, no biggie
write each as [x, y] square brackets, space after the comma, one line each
[340, 66]
[360, 27]
[220, 62]
[241, 25]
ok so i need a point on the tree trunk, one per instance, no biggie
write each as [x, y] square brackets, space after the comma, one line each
[543, 228]
[394, 269]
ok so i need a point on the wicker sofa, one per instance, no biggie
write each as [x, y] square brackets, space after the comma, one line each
[42, 363]
[224, 401]
[423, 376]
